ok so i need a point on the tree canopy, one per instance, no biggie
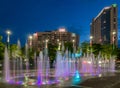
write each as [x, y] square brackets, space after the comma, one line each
[2, 47]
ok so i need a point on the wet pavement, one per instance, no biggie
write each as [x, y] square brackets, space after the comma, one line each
[110, 81]
[104, 80]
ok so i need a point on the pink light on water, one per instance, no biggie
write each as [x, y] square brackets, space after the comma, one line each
[84, 62]
[67, 78]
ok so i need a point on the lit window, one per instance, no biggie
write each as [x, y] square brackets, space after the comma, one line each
[104, 21]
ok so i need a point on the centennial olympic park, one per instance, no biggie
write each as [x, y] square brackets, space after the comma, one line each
[68, 67]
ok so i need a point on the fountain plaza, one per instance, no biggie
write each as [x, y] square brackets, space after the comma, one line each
[69, 70]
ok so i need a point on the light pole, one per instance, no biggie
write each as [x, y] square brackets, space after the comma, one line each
[59, 45]
[113, 34]
[30, 41]
[73, 46]
[8, 32]
[91, 37]
[46, 47]
[46, 43]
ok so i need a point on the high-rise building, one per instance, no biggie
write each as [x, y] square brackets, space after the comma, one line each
[54, 37]
[118, 39]
[104, 27]
[119, 32]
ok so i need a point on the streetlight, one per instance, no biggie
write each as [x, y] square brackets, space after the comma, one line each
[73, 42]
[46, 42]
[57, 40]
[73, 45]
[8, 35]
[8, 32]
[46, 47]
[91, 37]
[30, 39]
[113, 33]
[30, 36]
[59, 45]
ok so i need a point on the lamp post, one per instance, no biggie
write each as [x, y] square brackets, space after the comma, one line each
[91, 37]
[8, 32]
[46, 47]
[46, 43]
[30, 41]
[57, 40]
[73, 45]
[113, 37]
[59, 45]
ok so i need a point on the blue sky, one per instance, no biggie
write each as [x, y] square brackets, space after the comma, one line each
[24, 17]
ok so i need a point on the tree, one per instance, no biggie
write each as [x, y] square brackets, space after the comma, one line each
[2, 47]
[118, 53]
[15, 51]
[107, 50]
[96, 48]
[52, 49]
[85, 47]
[69, 46]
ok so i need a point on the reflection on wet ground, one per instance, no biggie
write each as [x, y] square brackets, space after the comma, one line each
[87, 81]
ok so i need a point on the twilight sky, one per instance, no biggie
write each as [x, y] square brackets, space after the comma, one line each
[24, 17]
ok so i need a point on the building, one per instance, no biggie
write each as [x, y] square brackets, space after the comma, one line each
[38, 40]
[119, 32]
[119, 39]
[118, 43]
[104, 27]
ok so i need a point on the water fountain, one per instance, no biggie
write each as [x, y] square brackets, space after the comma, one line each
[40, 68]
[59, 71]
[67, 66]
[7, 76]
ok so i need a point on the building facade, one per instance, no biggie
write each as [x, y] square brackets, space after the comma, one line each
[59, 36]
[104, 27]
[119, 39]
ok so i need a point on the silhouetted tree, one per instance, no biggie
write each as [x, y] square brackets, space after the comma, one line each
[85, 47]
[2, 47]
[69, 46]
[52, 49]
[96, 48]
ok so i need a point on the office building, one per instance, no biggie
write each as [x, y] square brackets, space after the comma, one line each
[59, 36]
[104, 27]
